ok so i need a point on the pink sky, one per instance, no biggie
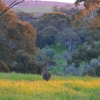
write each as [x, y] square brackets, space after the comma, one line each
[68, 1]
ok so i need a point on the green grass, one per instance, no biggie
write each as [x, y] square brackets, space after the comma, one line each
[31, 87]
[58, 48]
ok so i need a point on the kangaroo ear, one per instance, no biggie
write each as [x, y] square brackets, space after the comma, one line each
[45, 64]
[52, 63]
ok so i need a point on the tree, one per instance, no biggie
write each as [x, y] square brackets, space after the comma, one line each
[90, 17]
[68, 9]
[68, 38]
[49, 34]
[40, 42]
[89, 5]
[15, 35]
[25, 64]
[46, 36]
[80, 55]
[24, 16]
[55, 19]
[85, 53]
[55, 8]
[97, 71]
[91, 10]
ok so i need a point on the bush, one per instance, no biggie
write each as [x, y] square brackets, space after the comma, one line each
[97, 71]
[22, 60]
[22, 57]
[89, 73]
[65, 53]
[94, 67]
[24, 64]
[32, 67]
[94, 63]
[41, 56]
[4, 67]
[35, 67]
[49, 52]
[89, 69]
[71, 70]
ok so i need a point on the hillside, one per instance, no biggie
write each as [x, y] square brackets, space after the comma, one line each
[39, 7]
[40, 4]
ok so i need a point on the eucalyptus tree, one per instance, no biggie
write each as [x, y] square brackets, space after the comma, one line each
[91, 10]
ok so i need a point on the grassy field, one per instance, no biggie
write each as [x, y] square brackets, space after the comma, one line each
[58, 48]
[34, 9]
[32, 87]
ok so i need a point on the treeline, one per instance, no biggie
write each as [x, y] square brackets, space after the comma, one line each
[77, 36]
[80, 41]
[17, 44]
[25, 45]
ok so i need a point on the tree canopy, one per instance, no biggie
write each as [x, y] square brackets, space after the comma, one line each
[91, 10]
[15, 35]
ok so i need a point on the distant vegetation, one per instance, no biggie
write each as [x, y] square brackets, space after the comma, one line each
[29, 39]
[34, 9]
[39, 6]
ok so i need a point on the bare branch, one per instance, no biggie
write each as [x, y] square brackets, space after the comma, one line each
[11, 6]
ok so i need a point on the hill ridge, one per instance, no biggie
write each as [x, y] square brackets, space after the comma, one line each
[41, 3]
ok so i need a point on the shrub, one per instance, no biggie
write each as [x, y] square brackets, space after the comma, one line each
[22, 57]
[90, 72]
[71, 70]
[49, 52]
[94, 63]
[89, 69]
[35, 67]
[24, 64]
[97, 71]
[41, 56]
[65, 53]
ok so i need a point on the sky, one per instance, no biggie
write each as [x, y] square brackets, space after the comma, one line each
[68, 1]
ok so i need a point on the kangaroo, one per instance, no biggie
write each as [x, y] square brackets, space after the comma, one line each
[45, 73]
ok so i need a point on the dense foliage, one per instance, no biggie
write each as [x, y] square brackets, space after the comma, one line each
[15, 35]
[68, 36]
